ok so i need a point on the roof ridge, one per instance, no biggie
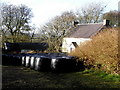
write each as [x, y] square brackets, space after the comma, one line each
[86, 30]
[98, 30]
[89, 23]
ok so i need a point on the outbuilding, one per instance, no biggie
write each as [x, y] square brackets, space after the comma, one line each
[82, 33]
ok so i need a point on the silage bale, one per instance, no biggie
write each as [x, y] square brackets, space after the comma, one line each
[5, 59]
[45, 63]
[16, 59]
[63, 64]
[27, 61]
[37, 63]
[32, 62]
[23, 60]
[42, 62]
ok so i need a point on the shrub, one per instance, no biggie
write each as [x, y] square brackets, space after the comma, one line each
[101, 52]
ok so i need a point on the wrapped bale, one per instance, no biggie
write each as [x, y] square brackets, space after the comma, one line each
[23, 56]
[42, 63]
[24, 59]
[28, 58]
[80, 65]
[5, 59]
[63, 63]
[27, 61]
[11, 59]
[16, 59]
[37, 61]
[32, 62]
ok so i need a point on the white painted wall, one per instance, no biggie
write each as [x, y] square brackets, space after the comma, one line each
[67, 45]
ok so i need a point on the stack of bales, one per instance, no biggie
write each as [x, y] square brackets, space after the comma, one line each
[44, 61]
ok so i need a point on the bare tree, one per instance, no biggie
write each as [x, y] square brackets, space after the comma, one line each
[59, 27]
[15, 20]
[91, 13]
[112, 16]
[54, 31]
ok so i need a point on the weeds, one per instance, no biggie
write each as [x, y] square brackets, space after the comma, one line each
[101, 52]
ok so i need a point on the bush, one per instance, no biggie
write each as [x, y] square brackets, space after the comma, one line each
[101, 52]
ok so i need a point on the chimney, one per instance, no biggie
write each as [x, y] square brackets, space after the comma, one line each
[106, 22]
[76, 23]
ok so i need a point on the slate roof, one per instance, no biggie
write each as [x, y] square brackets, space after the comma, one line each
[86, 30]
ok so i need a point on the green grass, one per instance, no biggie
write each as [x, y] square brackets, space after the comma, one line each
[21, 77]
[104, 75]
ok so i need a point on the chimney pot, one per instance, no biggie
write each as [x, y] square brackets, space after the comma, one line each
[76, 23]
[106, 22]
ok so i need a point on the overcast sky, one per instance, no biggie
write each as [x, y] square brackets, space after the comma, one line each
[44, 10]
